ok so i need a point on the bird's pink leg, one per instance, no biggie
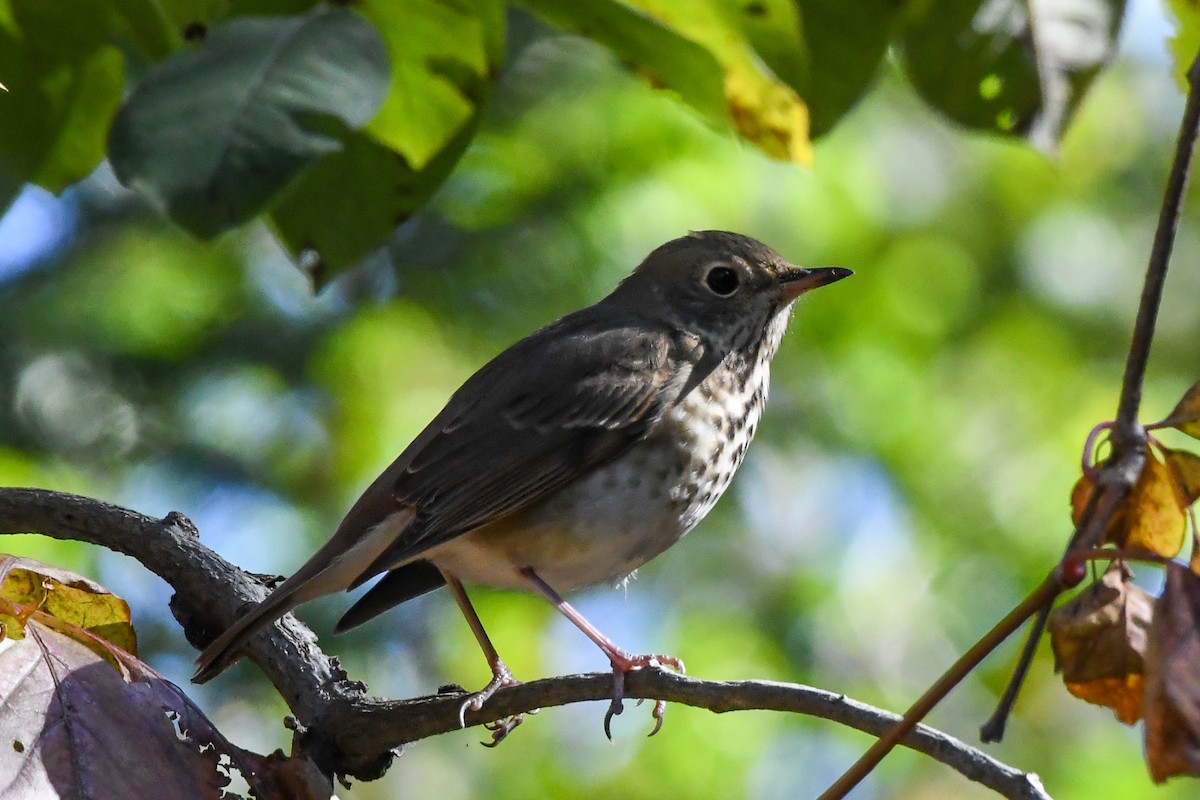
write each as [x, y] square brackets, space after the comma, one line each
[622, 661]
[501, 675]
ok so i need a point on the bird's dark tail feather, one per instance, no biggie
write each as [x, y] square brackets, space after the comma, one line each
[224, 649]
[331, 569]
[398, 585]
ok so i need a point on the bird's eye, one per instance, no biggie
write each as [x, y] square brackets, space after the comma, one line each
[722, 281]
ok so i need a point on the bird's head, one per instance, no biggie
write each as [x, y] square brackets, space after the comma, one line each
[729, 289]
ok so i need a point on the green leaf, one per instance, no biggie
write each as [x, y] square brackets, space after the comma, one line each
[661, 54]
[650, 35]
[68, 27]
[845, 44]
[10, 188]
[64, 81]
[986, 65]
[1185, 43]
[149, 25]
[444, 56]
[375, 190]
[212, 135]
[978, 69]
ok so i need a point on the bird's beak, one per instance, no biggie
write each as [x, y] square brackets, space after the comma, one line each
[797, 281]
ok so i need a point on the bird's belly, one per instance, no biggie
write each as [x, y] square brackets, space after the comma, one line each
[606, 524]
[596, 530]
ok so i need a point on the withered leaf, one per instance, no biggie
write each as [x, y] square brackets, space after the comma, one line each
[1184, 468]
[75, 727]
[1081, 495]
[1186, 415]
[27, 586]
[1172, 701]
[1156, 520]
[1194, 561]
[1099, 639]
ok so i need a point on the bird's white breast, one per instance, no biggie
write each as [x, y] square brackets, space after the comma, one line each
[606, 524]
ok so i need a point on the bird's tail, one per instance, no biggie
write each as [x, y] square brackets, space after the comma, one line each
[224, 649]
[332, 568]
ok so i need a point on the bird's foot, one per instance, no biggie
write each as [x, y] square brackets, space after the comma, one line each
[623, 663]
[501, 728]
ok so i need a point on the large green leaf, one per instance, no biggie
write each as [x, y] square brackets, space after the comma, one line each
[987, 65]
[1185, 44]
[664, 56]
[213, 134]
[347, 206]
[443, 55]
[660, 38]
[845, 44]
[64, 79]
[977, 69]
[10, 188]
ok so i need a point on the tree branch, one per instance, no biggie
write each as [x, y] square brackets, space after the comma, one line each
[1127, 431]
[348, 733]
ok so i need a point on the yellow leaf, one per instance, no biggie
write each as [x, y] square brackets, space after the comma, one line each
[99, 612]
[84, 606]
[21, 592]
[1118, 530]
[1185, 473]
[765, 110]
[1157, 522]
[1186, 415]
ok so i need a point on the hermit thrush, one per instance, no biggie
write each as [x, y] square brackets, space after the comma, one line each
[573, 457]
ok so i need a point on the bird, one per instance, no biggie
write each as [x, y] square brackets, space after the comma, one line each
[572, 458]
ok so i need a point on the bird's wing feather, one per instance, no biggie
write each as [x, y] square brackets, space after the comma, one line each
[572, 396]
[552, 406]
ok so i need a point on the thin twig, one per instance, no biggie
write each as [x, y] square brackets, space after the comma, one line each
[1121, 471]
[993, 729]
[1100, 507]
[1049, 589]
[347, 732]
[1127, 431]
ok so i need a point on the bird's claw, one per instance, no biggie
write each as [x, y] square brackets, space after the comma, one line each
[501, 728]
[623, 664]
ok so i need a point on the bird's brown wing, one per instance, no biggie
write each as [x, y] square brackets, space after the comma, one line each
[568, 397]
[549, 409]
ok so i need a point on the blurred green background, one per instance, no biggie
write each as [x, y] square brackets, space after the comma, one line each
[910, 480]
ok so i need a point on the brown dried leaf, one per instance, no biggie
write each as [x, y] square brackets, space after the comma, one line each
[1194, 561]
[1157, 522]
[1099, 638]
[1185, 473]
[75, 727]
[1081, 495]
[1172, 701]
[30, 585]
[1186, 415]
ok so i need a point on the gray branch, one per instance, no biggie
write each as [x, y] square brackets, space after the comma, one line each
[348, 733]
